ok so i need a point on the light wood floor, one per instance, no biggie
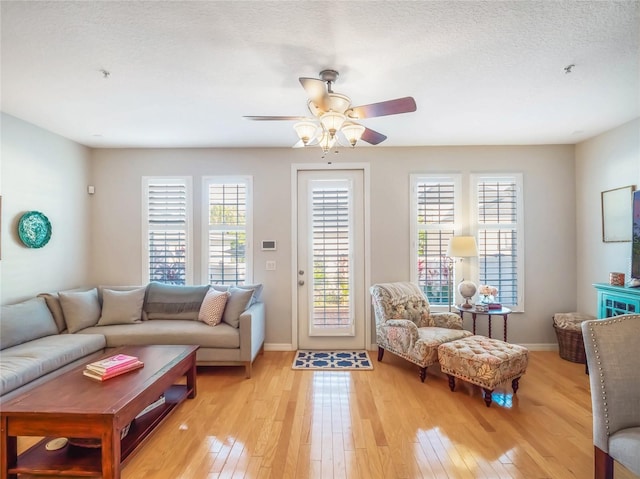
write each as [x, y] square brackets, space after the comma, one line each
[384, 423]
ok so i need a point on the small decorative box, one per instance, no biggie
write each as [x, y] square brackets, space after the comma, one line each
[482, 307]
[616, 279]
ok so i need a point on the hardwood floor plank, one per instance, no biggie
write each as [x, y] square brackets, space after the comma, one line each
[385, 424]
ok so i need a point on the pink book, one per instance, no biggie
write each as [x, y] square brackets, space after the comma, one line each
[113, 373]
[111, 363]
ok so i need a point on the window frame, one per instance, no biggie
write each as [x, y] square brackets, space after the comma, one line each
[187, 181]
[415, 228]
[248, 229]
[518, 226]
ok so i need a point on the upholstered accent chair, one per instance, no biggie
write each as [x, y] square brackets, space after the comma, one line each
[406, 327]
[611, 347]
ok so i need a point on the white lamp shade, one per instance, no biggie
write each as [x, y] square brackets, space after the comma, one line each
[353, 132]
[462, 247]
[338, 102]
[306, 130]
[327, 141]
[332, 121]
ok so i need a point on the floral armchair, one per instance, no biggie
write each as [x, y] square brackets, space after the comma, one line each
[406, 327]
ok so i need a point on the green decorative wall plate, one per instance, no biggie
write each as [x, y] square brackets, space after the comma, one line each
[34, 229]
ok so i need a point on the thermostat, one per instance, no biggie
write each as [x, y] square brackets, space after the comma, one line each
[268, 245]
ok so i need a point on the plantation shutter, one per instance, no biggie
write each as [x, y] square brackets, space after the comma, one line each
[497, 212]
[331, 236]
[436, 205]
[227, 231]
[167, 230]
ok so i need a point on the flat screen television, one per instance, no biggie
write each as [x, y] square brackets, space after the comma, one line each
[635, 244]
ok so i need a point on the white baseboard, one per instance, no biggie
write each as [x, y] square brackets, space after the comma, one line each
[541, 346]
[278, 347]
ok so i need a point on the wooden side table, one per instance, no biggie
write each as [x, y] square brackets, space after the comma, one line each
[504, 312]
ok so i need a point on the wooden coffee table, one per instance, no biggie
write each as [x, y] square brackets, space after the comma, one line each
[74, 406]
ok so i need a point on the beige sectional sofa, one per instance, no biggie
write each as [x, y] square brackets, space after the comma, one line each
[49, 334]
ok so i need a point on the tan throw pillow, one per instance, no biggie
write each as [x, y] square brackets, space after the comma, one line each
[213, 307]
[121, 307]
[81, 309]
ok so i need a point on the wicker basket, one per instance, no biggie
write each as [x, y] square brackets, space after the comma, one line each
[571, 345]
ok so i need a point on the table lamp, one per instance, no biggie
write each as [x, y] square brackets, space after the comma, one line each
[462, 247]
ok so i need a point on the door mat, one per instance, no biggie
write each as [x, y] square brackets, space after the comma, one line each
[332, 360]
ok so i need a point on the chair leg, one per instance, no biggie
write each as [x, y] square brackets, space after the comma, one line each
[423, 374]
[380, 353]
[603, 464]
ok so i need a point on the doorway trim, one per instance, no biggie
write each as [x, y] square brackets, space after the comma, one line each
[295, 168]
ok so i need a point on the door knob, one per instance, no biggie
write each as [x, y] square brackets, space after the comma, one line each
[301, 282]
[301, 272]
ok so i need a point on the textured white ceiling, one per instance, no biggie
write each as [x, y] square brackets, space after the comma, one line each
[182, 74]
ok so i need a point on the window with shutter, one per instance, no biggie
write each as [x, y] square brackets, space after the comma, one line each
[332, 239]
[227, 226]
[167, 230]
[498, 216]
[435, 211]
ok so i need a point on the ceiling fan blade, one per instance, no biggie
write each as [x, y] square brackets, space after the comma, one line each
[390, 107]
[270, 118]
[372, 137]
[315, 90]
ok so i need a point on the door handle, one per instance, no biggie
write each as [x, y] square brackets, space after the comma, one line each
[301, 272]
[301, 282]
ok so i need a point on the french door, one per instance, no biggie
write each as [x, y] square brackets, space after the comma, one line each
[330, 273]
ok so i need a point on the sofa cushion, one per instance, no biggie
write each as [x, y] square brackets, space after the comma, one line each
[256, 288]
[213, 307]
[170, 301]
[121, 307]
[53, 303]
[81, 309]
[25, 321]
[239, 300]
[27, 362]
[163, 331]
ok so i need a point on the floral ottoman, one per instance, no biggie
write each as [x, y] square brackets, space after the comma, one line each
[483, 361]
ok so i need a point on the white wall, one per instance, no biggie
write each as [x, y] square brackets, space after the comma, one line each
[608, 161]
[44, 172]
[549, 196]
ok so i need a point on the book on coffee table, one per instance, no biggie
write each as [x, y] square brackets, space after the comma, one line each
[112, 372]
[112, 363]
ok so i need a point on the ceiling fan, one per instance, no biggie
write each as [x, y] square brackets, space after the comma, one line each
[334, 119]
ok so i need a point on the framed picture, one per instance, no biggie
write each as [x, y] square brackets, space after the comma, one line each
[616, 214]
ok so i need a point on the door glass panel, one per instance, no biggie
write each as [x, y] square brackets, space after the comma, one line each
[331, 236]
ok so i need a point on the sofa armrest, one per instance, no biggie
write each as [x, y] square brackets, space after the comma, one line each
[252, 331]
[447, 320]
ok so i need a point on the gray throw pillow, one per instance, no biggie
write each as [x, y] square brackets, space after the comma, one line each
[24, 322]
[81, 309]
[121, 307]
[53, 303]
[239, 300]
[170, 301]
[256, 288]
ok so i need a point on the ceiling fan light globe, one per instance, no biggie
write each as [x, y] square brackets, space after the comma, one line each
[306, 130]
[338, 102]
[327, 141]
[353, 132]
[332, 121]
